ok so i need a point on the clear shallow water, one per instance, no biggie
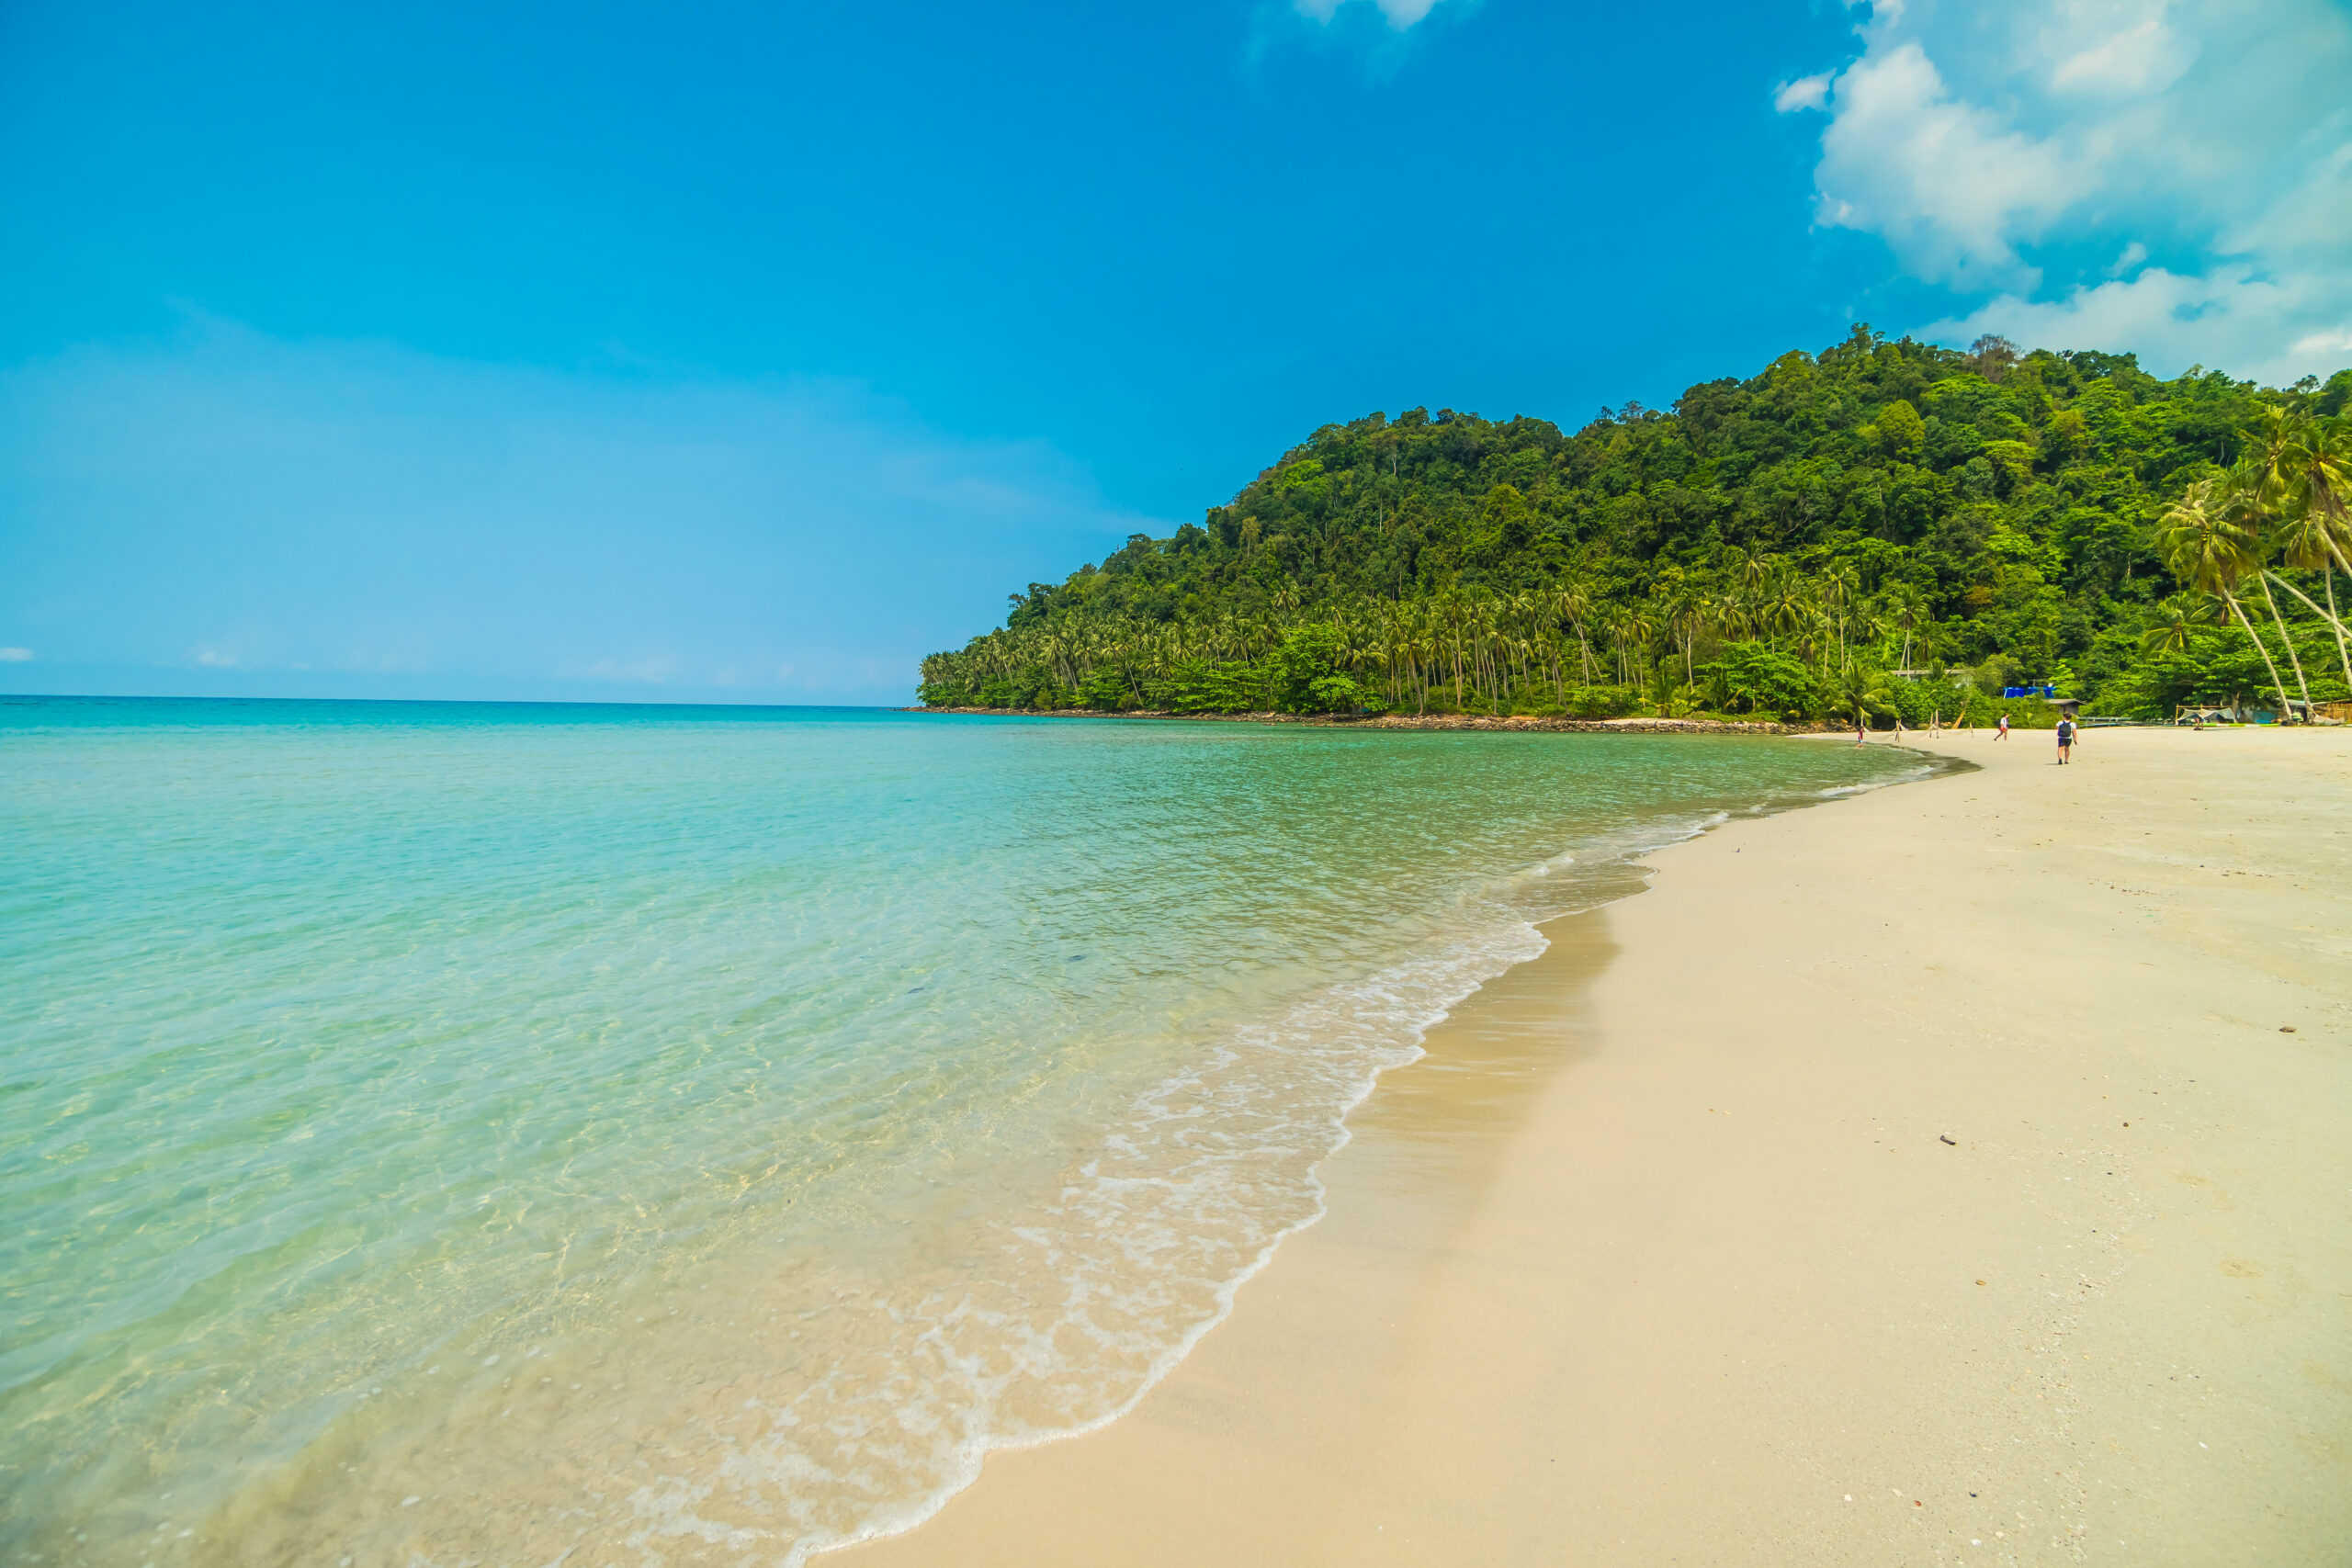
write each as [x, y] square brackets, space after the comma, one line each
[442, 1131]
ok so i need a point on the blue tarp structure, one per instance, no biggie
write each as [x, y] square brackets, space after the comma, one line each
[2028, 691]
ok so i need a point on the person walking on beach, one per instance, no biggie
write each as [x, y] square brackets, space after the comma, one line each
[2002, 733]
[2065, 740]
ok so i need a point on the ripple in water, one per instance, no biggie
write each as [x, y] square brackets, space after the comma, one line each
[443, 1132]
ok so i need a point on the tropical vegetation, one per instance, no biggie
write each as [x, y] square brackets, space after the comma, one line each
[1886, 529]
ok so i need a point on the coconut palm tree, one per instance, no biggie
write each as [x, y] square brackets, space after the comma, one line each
[2290, 555]
[1682, 618]
[1750, 570]
[1626, 626]
[2170, 631]
[2313, 466]
[1860, 690]
[2208, 549]
[1906, 610]
[1735, 613]
[1784, 606]
[2253, 492]
[1839, 590]
[1571, 603]
[1425, 657]
[1455, 637]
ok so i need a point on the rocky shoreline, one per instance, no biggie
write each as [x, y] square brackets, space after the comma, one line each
[1434, 721]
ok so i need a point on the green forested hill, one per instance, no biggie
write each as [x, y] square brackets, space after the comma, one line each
[1779, 545]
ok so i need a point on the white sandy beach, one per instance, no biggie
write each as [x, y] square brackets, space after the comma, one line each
[1954, 1175]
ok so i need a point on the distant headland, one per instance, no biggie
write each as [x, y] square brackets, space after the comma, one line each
[1887, 530]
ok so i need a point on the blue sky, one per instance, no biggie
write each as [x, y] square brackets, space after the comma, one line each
[747, 353]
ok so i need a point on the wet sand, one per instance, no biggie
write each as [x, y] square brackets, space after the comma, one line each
[1926, 1178]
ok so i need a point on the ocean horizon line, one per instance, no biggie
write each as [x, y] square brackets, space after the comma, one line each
[440, 701]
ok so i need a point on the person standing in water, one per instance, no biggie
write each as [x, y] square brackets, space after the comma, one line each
[1862, 734]
[2002, 733]
[2065, 740]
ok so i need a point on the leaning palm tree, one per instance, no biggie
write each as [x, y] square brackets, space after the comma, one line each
[2254, 492]
[2295, 551]
[2313, 466]
[2204, 546]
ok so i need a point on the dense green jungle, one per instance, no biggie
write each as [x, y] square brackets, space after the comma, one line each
[1887, 530]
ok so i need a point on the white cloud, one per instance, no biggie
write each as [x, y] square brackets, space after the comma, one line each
[2229, 318]
[15, 655]
[1948, 183]
[1805, 93]
[2006, 148]
[2135, 56]
[1401, 14]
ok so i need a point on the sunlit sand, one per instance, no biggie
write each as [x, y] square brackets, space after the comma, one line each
[1950, 1175]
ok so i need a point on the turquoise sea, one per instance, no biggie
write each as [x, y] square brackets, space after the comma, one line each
[435, 1133]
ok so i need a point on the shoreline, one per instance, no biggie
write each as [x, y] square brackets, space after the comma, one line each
[562, 1462]
[1634, 726]
[1559, 1302]
[1631, 874]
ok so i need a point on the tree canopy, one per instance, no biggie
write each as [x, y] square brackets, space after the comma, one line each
[1883, 527]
